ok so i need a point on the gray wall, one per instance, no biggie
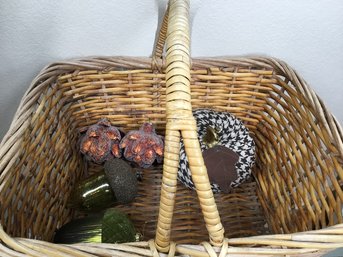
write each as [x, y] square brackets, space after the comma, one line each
[307, 34]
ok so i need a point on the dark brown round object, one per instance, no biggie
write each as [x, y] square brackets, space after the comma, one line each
[122, 180]
[220, 163]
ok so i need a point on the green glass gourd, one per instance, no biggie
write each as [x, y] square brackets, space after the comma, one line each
[111, 226]
[116, 184]
[92, 194]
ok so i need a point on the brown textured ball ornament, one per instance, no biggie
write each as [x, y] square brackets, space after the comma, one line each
[100, 140]
[143, 146]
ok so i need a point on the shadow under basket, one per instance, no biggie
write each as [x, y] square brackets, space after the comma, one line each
[297, 184]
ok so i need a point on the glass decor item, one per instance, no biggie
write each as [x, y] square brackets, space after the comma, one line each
[116, 184]
[111, 226]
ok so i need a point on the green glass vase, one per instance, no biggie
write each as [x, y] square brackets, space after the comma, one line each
[92, 194]
[116, 184]
[111, 226]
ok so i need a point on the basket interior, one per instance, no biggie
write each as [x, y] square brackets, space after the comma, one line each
[298, 176]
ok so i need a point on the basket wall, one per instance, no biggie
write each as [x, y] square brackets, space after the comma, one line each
[299, 166]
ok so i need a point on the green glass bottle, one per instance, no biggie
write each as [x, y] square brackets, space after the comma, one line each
[116, 184]
[92, 194]
[111, 226]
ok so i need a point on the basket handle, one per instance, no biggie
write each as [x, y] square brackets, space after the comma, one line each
[157, 54]
[180, 121]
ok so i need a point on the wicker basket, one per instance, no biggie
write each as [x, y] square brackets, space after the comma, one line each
[292, 207]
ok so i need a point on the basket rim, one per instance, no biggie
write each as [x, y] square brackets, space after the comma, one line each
[302, 244]
[108, 63]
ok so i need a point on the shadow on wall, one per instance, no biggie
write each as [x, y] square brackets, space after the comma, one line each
[56, 30]
[22, 60]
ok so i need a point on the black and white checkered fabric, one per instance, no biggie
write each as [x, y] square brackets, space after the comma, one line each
[232, 134]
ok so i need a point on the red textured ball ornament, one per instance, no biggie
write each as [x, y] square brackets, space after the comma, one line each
[143, 146]
[99, 141]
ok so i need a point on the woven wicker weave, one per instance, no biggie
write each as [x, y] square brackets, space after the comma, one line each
[292, 207]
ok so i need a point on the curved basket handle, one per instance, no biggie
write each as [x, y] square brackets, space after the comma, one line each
[180, 121]
[157, 54]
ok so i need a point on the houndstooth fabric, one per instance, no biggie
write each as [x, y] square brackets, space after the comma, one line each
[233, 134]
